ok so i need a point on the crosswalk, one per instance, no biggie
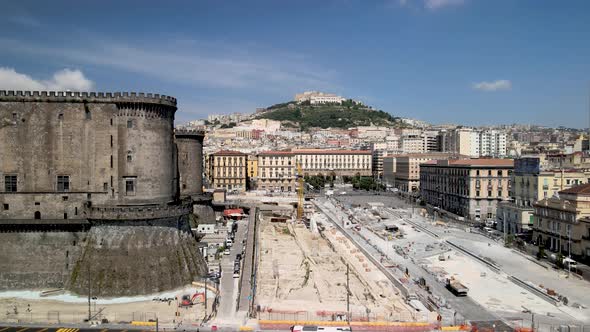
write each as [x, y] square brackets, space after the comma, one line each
[67, 330]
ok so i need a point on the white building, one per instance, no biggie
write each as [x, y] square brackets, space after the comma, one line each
[474, 143]
[316, 97]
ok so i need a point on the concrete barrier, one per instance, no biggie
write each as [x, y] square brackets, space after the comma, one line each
[402, 288]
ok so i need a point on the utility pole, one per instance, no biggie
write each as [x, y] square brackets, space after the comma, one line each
[347, 294]
[569, 249]
[504, 222]
[89, 288]
[205, 317]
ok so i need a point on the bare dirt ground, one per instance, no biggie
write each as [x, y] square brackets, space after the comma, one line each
[305, 272]
[69, 309]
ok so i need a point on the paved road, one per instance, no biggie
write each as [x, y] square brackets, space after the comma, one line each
[228, 285]
[57, 329]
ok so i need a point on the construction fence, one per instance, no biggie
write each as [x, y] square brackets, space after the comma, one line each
[330, 316]
[111, 317]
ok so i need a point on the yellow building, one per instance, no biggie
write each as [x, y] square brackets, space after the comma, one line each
[529, 184]
[563, 222]
[228, 170]
[252, 167]
[252, 171]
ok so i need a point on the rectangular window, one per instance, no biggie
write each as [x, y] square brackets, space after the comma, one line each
[130, 187]
[489, 193]
[105, 186]
[129, 123]
[63, 183]
[10, 183]
[477, 193]
[60, 116]
[111, 141]
[5, 206]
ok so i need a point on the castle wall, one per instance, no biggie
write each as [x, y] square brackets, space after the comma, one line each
[98, 140]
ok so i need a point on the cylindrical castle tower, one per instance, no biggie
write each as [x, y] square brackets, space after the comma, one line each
[63, 152]
[190, 161]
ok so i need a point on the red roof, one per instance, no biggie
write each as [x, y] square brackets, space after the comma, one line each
[275, 153]
[229, 212]
[473, 162]
[228, 153]
[324, 151]
[581, 189]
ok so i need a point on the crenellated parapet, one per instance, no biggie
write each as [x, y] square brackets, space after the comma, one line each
[87, 97]
[118, 213]
[182, 132]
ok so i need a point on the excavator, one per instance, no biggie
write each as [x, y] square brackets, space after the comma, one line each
[188, 300]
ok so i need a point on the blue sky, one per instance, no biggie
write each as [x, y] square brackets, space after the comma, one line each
[473, 62]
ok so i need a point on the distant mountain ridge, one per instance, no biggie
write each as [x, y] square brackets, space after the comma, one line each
[345, 115]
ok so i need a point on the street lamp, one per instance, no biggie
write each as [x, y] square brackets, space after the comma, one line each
[528, 311]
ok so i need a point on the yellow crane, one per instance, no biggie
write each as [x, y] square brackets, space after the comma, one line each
[300, 192]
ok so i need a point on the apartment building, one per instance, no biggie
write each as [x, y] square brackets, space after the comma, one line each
[470, 188]
[276, 171]
[340, 162]
[252, 171]
[562, 223]
[228, 170]
[531, 183]
[407, 176]
[475, 143]
[412, 144]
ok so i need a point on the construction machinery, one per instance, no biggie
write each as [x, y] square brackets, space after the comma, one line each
[456, 287]
[300, 192]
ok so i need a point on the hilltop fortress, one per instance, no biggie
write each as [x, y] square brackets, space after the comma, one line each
[97, 188]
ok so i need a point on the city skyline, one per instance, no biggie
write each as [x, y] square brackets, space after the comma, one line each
[460, 61]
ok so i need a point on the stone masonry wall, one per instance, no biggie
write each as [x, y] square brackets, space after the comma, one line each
[137, 258]
[132, 258]
[38, 260]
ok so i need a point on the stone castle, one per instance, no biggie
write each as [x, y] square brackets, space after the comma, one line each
[96, 190]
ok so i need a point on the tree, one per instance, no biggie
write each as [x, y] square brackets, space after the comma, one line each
[509, 240]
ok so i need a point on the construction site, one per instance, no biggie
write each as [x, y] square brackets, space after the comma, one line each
[304, 271]
[457, 270]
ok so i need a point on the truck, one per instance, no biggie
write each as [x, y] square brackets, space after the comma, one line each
[456, 287]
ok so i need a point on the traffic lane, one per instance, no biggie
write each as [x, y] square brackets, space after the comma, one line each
[64, 329]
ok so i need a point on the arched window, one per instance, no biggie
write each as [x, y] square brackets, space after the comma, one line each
[37, 215]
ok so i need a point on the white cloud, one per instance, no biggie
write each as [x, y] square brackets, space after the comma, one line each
[437, 4]
[66, 79]
[194, 63]
[492, 86]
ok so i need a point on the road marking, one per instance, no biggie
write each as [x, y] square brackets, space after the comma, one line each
[21, 330]
[41, 330]
[4, 329]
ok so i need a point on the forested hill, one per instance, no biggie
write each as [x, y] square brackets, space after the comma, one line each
[349, 114]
